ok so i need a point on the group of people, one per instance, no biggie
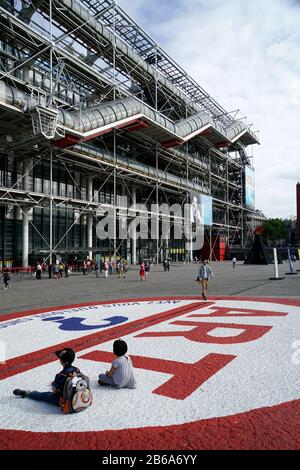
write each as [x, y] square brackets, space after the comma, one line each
[120, 375]
[145, 269]
[57, 270]
[62, 268]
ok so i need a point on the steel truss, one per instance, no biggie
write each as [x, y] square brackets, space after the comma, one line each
[63, 64]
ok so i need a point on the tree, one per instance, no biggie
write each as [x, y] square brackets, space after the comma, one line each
[275, 229]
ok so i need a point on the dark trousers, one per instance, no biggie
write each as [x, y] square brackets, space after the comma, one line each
[47, 397]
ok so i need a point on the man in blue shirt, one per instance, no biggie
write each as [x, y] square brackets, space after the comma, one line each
[204, 275]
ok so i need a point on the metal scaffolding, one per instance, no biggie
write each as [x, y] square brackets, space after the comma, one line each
[92, 109]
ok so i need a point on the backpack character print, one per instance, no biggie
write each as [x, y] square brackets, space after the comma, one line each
[77, 395]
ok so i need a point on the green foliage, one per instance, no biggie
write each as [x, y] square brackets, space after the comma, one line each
[275, 229]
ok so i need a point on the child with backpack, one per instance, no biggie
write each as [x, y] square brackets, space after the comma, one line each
[121, 373]
[70, 388]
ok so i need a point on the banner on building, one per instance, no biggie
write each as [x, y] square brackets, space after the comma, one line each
[201, 209]
[250, 187]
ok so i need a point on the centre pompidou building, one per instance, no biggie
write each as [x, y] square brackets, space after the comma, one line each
[92, 110]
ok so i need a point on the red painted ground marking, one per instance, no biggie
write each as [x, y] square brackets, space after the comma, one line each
[29, 361]
[26, 313]
[224, 311]
[199, 334]
[275, 428]
[186, 377]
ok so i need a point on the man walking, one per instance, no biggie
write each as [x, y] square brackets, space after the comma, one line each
[204, 275]
[6, 277]
[38, 271]
[233, 262]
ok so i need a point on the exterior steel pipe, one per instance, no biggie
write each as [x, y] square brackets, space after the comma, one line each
[139, 167]
[92, 121]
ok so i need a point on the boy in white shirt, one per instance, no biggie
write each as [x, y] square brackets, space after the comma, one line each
[121, 373]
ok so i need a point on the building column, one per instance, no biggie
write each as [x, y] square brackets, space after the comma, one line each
[90, 217]
[133, 240]
[90, 235]
[166, 254]
[25, 214]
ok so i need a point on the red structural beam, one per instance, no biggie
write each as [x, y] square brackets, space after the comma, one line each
[135, 125]
[171, 143]
[67, 141]
[208, 131]
[222, 144]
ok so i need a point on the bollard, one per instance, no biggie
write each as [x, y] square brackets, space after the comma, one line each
[292, 272]
[276, 278]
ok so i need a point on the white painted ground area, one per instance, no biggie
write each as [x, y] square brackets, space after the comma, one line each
[261, 375]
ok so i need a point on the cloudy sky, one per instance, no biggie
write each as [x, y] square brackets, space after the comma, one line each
[246, 54]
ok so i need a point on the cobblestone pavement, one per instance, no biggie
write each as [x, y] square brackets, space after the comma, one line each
[243, 281]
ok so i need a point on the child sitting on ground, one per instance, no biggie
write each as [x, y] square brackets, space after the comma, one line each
[121, 373]
[66, 357]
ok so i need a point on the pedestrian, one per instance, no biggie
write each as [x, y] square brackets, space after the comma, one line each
[50, 268]
[110, 267]
[142, 271]
[67, 270]
[121, 373]
[97, 269]
[6, 278]
[147, 270]
[165, 265]
[168, 265]
[61, 269]
[84, 268]
[105, 269]
[38, 273]
[204, 275]
[56, 271]
[101, 266]
[125, 267]
[121, 269]
[233, 262]
[66, 357]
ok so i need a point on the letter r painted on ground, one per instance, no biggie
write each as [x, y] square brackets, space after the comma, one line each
[186, 378]
[200, 333]
[238, 312]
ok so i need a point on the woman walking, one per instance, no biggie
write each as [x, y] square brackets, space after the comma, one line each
[142, 271]
[147, 271]
[105, 269]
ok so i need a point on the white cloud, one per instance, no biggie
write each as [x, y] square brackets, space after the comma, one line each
[247, 56]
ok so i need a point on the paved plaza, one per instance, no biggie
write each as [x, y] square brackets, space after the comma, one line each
[243, 281]
[221, 374]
